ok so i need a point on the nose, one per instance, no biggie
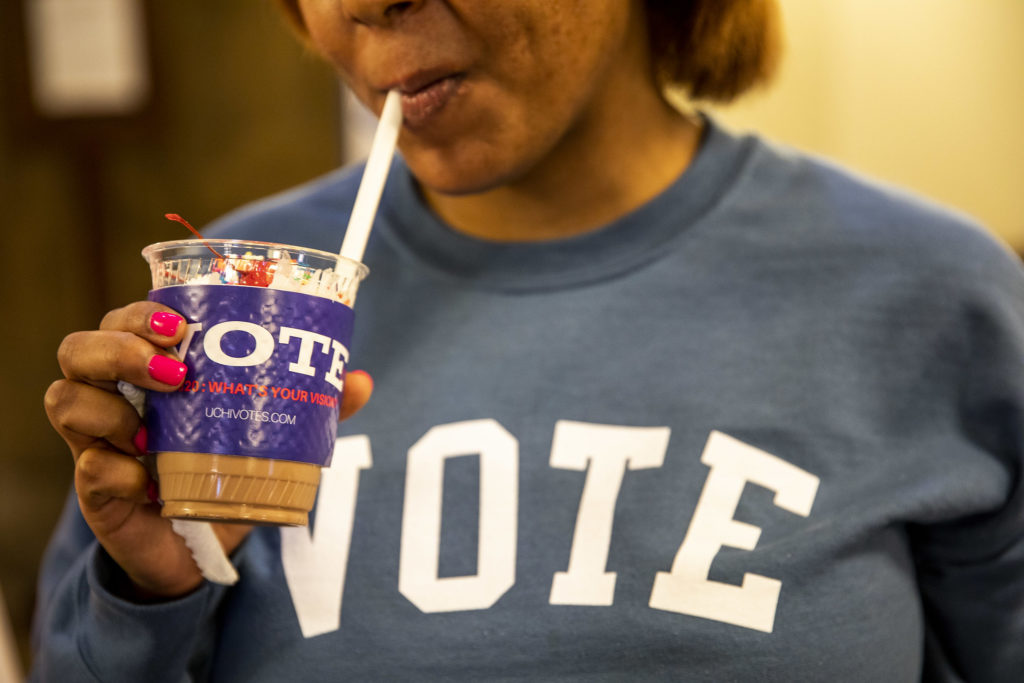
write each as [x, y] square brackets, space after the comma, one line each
[379, 12]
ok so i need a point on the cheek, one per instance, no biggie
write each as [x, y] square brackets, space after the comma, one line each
[554, 65]
[330, 35]
[506, 139]
[518, 113]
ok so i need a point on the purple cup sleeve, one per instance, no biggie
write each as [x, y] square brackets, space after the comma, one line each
[265, 374]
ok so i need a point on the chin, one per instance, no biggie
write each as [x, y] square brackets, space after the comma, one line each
[451, 182]
[456, 177]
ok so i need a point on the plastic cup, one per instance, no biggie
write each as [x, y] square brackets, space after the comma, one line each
[268, 330]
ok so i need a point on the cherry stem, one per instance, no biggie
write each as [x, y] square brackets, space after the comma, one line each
[179, 219]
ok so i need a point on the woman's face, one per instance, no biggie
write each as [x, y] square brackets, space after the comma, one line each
[491, 88]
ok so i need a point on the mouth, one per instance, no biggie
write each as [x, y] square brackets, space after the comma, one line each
[424, 95]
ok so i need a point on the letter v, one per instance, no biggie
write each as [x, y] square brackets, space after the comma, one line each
[315, 563]
[186, 341]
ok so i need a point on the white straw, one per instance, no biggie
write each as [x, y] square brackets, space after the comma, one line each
[374, 175]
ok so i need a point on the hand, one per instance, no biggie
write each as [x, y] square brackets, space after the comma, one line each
[105, 435]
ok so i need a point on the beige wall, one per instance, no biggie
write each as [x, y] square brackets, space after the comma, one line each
[928, 94]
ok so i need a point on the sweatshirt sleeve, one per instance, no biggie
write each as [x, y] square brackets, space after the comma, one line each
[971, 570]
[84, 632]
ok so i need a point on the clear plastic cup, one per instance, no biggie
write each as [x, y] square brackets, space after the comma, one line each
[266, 347]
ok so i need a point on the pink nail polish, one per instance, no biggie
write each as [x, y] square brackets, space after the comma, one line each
[166, 370]
[140, 439]
[152, 492]
[164, 323]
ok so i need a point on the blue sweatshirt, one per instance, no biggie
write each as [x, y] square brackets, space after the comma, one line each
[767, 427]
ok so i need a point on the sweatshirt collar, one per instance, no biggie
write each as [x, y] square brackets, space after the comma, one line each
[624, 244]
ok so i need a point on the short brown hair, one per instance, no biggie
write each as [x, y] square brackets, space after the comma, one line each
[711, 49]
[714, 49]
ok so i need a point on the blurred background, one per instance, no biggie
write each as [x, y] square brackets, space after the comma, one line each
[114, 112]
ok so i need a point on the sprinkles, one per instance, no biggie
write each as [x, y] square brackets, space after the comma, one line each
[251, 270]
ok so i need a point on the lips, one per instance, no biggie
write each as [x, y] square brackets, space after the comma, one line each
[425, 94]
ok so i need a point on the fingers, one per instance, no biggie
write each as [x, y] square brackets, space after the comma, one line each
[358, 387]
[113, 495]
[102, 475]
[133, 344]
[83, 415]
[154, 322]
[105, 356]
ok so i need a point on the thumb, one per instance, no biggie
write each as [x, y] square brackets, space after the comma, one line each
[358, 387]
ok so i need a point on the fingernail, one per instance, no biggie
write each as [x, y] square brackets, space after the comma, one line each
[152, 492]
[164, 323]
[364, 373]
[140, 439]
[166, 370]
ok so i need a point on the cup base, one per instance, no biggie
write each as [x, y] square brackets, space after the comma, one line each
[233, 513]
[231, 488]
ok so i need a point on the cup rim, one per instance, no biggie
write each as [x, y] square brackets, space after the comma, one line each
[361, 269]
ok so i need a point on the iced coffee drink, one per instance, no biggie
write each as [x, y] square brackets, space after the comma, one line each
[266, 346]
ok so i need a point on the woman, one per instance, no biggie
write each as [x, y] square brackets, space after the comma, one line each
[652, 401]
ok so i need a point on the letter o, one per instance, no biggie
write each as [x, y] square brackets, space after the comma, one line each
[264, 344]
